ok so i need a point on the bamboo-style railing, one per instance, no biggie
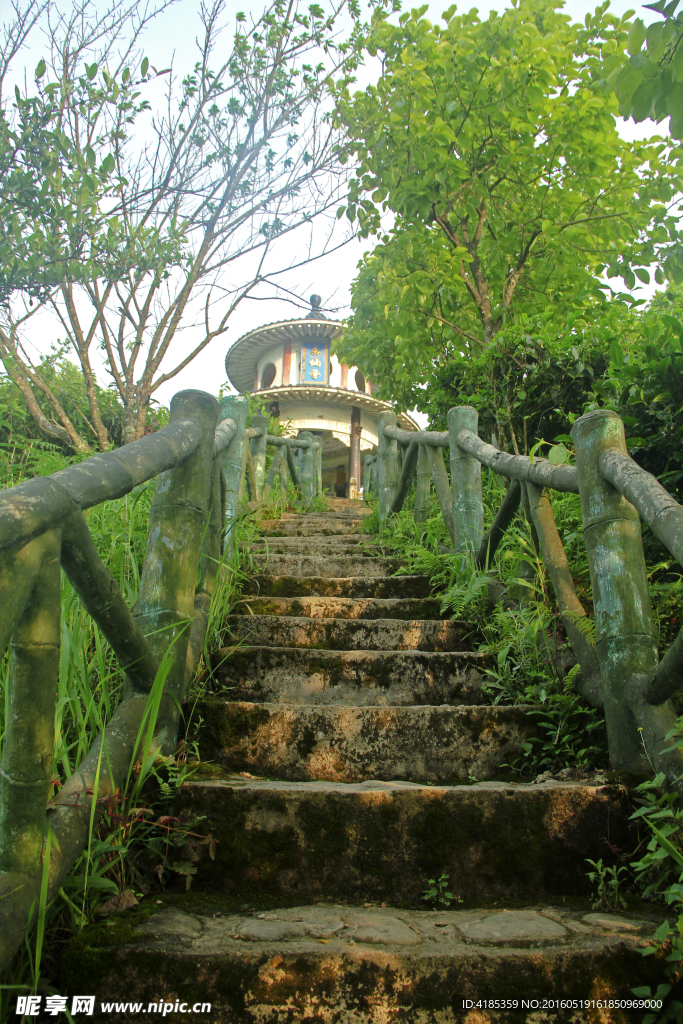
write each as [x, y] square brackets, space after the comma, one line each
[621, 671]
[202, 463]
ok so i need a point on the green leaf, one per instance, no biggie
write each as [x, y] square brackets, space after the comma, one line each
[636, 36]
[40, 69]
[668, 846]
[144, 66]
[674, 101]
[655, 41]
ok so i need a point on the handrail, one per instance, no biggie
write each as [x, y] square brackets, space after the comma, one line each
[32, 507]
[621, 671]
[520, 467]
[204, 460]
[225, 431]
[436, 438]
[658, 508]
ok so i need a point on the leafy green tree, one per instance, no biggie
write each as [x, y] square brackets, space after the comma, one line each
[493, 146]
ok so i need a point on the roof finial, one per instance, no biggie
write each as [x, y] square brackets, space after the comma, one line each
[315, 313]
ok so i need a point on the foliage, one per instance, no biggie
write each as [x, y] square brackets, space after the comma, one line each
[659, 874]
[66, 383]
[54, 194]
[644, 384]
[438, 893]
[649, 82]
[607, 881]
[493, 145]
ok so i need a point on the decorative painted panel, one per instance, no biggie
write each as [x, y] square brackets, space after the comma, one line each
[314, 362]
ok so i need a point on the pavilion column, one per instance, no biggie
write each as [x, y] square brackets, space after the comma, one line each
[286, 364]
[354, 447]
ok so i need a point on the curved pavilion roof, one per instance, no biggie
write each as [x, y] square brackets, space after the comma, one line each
[242, 357]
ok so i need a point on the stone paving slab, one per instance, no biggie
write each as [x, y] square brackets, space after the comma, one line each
[347, 634]
[309, 676]
[267, 585]
[316, 607]
[350, 744]
[338, 964]
[382, 841]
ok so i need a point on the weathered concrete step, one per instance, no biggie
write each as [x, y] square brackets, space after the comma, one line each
[286, 675]
[354, 515]
[345, 607]
[339, 964]
[325, 565]
[382, 841]
[343, 543]
[354, 634]
[279, 529]
[352, 744]
[267, 585]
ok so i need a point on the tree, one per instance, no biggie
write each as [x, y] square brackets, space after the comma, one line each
[240, 155]
[493, 145]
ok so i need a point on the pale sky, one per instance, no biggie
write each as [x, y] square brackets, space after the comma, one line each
[170, 40]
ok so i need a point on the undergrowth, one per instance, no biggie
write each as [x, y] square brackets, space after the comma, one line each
[511, 603]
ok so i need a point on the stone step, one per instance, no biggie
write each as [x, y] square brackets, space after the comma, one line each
[343, 544]
[355, 515]
[325, 565]
[284, 675]
[352, 744]
[267, 585]
[344, 607]
[279, 529]
[382, 841]
[338, 964]
[340, 504]
[354, 634]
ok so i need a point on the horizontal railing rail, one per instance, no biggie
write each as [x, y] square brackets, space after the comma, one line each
[203, 466]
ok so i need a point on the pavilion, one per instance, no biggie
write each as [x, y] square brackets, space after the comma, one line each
[289, 365]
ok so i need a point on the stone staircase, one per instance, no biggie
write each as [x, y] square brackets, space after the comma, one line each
[354, 758]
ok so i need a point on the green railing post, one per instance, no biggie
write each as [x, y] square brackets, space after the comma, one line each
[177, 523]
[387, 463]
[367, 476]
[423, 486]
[233, 407]
[319, 467]
[258, 454]
[468, 506]
[625, 639]
[307, 465]
[28, 742]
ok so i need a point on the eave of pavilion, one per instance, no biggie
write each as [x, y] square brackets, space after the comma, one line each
[326, 395]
